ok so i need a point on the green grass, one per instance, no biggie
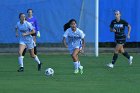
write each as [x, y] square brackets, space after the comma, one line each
[97, 78]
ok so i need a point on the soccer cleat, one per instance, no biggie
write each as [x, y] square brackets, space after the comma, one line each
[76, 71]
[110, 65]
[81, 69]
[21, 69]
[39, 66]
[130, 60]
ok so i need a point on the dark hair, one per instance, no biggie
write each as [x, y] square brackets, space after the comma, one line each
[66, 26]
[72, 21]
[29, 10]
[20, 14]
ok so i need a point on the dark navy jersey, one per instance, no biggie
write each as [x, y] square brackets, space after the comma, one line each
[120, 29]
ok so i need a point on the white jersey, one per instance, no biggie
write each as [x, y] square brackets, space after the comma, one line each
[26, 27]
[74, 38]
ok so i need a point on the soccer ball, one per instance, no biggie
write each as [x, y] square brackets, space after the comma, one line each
[49, 72]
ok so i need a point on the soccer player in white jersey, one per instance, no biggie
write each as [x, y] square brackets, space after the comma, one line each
[24, 30]
[75, 44]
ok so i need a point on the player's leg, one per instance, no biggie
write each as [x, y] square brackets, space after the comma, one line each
[80, 66]
[35, 48]
[31, 50]
[24, 52]
[115, 56]
[35, 58]
[130, 58]
[75, 60]
[20, 58]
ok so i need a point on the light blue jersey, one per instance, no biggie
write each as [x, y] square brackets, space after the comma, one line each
[26, 27]
[74, 38]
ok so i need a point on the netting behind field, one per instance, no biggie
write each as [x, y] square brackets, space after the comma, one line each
[87, 23]
[51, 16]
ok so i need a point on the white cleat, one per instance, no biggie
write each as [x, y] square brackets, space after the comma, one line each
[110, 65]
[81, 69]
[76, 71]
[130, 60]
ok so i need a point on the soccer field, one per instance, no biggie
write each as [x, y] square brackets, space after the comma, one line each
[97, 78]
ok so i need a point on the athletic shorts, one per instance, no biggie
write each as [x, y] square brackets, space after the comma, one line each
[71, 50]
[30, 45]
[120, 42]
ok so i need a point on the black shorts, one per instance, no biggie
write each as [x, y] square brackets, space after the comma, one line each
[34, 34]
[120, 42]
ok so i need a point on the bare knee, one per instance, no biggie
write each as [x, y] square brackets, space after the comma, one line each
[74, 57]
[19, 53]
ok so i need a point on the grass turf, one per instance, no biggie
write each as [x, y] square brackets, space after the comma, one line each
[97, 78]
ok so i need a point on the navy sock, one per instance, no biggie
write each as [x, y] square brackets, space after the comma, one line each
[126, 55]
[24, 52]
[35, 50]
[114, 58]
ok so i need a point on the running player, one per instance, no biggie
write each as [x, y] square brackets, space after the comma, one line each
[24, 30]
[75, 45]
[118, 27]
[31, 19]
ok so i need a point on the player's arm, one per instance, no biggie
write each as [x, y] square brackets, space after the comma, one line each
[112, 27]
[83, 40]
[37, 28]
[83, 44]
[64, 38]
[64, 42]
[32, 31]
[16, 30]
[29, 33]
[129, 30]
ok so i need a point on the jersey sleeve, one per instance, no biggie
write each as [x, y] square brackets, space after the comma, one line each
[66, 34]
[30, 26]
[82, 34]
[111, 24]
[125, 23]
[36, 25]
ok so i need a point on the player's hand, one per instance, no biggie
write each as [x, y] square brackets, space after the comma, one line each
[24, 34]
[114, 30]
[81, 50]
[38, 34]
[128, 36]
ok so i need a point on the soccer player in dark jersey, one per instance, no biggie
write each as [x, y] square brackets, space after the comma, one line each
[31, 19]
[118, 27]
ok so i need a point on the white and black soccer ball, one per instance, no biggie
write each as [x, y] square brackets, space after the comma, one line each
[49, 72]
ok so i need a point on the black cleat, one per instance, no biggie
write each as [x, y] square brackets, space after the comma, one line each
[39, 66]
[21, 69]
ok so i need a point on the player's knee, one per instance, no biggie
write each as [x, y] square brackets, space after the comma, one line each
[19, 53]
[32, 55]
[74, 56]
[116, 51]
[122, 50]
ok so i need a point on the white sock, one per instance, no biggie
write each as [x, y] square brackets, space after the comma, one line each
[20, 61]
[75, 65]
[79, 64]
[37, 60]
